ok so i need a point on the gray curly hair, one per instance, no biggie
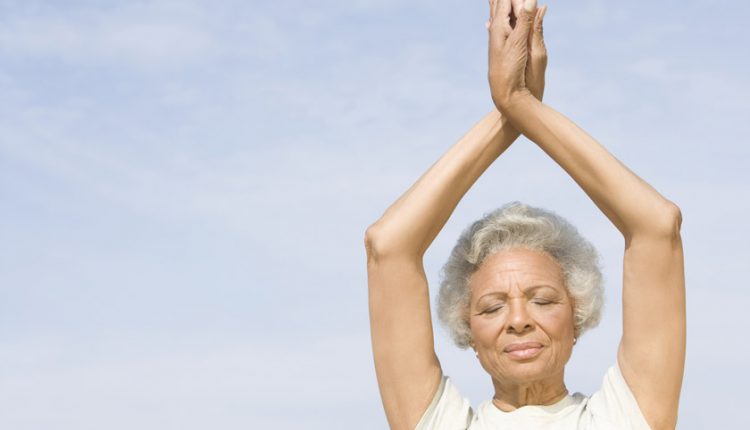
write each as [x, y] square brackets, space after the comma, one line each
[516, 225]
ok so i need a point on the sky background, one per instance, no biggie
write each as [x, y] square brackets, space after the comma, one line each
[185, 186]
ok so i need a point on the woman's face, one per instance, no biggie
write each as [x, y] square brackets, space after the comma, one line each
[521, 317]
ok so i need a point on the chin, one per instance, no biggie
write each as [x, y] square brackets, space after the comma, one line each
[522, 373]
[526, 371]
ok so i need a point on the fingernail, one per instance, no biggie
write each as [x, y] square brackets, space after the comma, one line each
[529, 5]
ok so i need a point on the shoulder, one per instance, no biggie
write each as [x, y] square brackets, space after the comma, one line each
[615, 403]
[448, 410]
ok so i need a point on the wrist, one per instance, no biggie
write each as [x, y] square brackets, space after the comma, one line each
[538, 93]
[513, 100]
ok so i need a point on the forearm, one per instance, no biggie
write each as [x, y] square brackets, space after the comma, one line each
[411, 224]
[632, 205]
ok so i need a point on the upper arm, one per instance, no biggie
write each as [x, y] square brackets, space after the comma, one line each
[652, 349]
[407, 367]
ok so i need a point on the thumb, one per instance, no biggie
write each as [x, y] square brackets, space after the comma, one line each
[526, 20]
[537, 31]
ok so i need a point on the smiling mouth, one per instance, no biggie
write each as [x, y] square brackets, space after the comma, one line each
[523, 351]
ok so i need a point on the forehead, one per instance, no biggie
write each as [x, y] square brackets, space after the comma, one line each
[516, 269]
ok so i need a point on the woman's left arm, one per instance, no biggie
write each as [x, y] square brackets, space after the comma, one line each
[652, 349]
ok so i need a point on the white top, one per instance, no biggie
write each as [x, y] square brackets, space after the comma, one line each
[613, 407]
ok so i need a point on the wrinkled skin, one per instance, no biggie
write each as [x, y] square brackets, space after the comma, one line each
[519, 296]
[517, 53]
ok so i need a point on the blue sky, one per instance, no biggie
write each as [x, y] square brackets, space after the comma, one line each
[185, 187]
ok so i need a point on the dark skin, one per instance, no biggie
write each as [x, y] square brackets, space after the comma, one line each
[652, 350]
[407, 367]
[651, 355]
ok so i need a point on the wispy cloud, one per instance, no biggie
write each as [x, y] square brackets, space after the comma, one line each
[133, 34]
[190, 383]
[177, 166]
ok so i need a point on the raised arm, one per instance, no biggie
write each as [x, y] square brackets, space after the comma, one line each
[407, 368]
[652, 349]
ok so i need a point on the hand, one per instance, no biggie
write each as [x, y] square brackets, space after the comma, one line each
[517, 54]
[536, 62]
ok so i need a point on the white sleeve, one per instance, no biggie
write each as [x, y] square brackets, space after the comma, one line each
[448, 410]
[614, 406]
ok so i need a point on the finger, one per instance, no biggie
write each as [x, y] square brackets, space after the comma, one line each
[496, 9]
[516, 6]
[501, 10]
[539, 22]
[537, 60]
[524, 23]
[531, 41]
[505, 8]
[499, 23]
[503, 15]
[537, 33]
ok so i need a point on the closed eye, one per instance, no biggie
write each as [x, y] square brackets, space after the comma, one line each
[542, 302]
[491, 310]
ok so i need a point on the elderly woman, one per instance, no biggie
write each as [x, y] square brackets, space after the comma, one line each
[521, 284]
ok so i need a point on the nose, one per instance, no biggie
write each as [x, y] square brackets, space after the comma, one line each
[519, 319]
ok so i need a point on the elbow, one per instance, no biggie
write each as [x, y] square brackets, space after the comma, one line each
[383, 243]
[372, 242]
[666, 223]
[672, 222]
[377, 243]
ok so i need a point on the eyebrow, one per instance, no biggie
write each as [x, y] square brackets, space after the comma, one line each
[526, 291]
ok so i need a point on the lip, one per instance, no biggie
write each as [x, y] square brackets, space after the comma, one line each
[523, 350]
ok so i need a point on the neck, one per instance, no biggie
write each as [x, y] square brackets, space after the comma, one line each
[510, 396]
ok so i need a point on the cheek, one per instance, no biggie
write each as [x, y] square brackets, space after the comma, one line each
[558, 323]
[485, 330]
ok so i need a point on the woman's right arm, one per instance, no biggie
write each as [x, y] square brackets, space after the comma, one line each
[407, 368]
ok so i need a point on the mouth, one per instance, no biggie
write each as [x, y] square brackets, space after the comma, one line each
[523, 350]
